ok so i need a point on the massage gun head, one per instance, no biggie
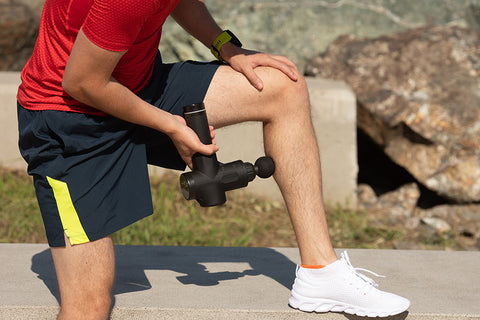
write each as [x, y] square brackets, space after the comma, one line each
[264, 167]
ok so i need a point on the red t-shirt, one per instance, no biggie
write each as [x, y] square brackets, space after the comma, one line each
[115, 25]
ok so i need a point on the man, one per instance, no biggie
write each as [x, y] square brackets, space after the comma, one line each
[96, 104]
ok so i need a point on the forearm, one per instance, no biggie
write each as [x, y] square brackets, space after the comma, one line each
[115, 99]
[195, 18]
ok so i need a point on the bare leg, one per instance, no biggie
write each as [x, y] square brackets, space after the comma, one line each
[284, 108]
[85, 274]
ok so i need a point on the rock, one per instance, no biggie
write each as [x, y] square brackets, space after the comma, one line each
[300, 29]
[412, 223]
[463, 219]
[437, 224]
[397, 205]
[418, 98]
[365, 196]
[19, 21]
[400, 203]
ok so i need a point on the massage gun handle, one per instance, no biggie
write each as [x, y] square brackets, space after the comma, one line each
[196, 118]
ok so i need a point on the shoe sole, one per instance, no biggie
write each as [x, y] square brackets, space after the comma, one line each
[323, 306]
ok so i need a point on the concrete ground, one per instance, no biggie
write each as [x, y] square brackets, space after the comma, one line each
[155, 282]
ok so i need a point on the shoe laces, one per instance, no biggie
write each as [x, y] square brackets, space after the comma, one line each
[366, 280]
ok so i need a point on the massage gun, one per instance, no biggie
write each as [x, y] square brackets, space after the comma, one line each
[210, 179]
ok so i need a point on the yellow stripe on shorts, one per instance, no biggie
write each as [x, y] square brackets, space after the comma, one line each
[68, 215]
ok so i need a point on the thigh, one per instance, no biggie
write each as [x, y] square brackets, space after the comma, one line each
[232, 99]
[84, 271]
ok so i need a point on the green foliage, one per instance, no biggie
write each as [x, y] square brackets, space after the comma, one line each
[20, 219]
[352, 228]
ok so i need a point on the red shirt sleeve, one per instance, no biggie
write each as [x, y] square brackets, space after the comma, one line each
[114, 25]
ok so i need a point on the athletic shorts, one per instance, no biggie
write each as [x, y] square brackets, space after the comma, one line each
[90, 172]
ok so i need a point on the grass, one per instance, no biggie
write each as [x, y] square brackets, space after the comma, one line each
[20, 219]
[249, 222]
[243, 221]
[178, 222]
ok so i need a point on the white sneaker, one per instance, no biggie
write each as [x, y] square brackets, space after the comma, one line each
[339, 287]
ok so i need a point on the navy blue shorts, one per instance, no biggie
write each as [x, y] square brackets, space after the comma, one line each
[90, 172]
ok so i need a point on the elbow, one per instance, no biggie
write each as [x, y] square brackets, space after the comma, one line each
[69, 86]
[75, 88]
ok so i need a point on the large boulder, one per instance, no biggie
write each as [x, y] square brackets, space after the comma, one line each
[300, 29]
[419, 98]
[19, 21]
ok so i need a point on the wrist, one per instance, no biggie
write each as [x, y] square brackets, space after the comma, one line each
[227, 51]
[225, 39]
[173, 125]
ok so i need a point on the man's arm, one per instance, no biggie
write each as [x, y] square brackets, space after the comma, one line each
[88, 79]
[194, 17]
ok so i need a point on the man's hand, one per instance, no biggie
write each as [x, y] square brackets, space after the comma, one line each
[187, 142]
[245, 61]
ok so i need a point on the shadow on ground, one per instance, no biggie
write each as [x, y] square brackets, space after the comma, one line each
[133, 261]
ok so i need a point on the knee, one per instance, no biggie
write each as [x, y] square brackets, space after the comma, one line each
[292, 96]
[299, 91]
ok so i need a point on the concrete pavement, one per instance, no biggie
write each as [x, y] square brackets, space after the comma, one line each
[155, 282]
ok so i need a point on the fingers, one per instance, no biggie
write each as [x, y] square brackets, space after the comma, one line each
[253, 78]
[205, 149]
[188, 144]
[246, 64]
[286, 66]
[256, 81]
[212, 135]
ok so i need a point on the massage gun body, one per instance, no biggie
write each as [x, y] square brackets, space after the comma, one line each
[210, 179]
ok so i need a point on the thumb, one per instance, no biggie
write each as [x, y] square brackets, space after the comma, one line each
[210, 149]
[207, 149]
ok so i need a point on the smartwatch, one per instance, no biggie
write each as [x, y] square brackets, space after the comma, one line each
[224, 37]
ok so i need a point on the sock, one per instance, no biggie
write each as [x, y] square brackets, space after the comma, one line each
[319, 266]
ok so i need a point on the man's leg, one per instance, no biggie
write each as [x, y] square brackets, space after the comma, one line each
[284, 108]
[85, 274]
